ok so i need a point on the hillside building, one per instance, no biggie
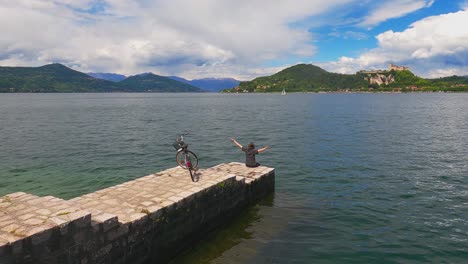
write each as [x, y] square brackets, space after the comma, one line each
[397, 68]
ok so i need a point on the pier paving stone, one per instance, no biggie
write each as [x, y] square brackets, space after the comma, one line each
[25, 215]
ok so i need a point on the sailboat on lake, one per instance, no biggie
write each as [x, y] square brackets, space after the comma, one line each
[283, 92]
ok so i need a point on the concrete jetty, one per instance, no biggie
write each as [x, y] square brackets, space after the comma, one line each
[147, 220]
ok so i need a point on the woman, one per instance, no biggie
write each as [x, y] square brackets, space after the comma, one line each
[250, 153]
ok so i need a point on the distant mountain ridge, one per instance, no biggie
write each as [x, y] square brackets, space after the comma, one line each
[57, 78]
[150, 82]
[113, 77]
[210, 84]
[206, 84]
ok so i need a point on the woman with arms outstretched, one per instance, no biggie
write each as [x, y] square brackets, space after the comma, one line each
[250, 153]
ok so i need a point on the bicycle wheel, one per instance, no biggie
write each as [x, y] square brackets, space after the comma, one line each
[181, 159]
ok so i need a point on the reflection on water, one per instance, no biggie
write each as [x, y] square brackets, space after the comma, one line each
[246, 236]
[228, 236]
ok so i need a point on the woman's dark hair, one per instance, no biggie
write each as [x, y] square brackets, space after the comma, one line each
[251, 145]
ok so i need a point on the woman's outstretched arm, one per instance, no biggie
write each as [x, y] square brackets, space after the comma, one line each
[263, 149]
[236, 143]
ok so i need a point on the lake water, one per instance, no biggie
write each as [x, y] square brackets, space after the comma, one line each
[360, 178]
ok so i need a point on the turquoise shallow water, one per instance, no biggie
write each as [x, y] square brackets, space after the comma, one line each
[379, 178]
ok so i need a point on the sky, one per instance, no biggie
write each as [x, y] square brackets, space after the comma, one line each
[241, 39]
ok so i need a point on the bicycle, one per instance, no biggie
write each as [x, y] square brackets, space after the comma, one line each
[184, 157]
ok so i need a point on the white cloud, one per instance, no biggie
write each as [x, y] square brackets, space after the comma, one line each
[349, 35]
[343, 65]
[435, 73]
[393, 9]
[210, 38]
[432, 47]
[165, 37]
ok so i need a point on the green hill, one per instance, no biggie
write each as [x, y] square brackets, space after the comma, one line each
[50, 78]
[154, 83]
[310, 78]
[302, 78]
[406, 79]
[450, 80]
[57, 78]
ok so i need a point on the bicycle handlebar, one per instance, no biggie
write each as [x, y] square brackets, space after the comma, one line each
[181, 136]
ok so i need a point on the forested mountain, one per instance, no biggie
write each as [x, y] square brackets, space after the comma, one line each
[150, 82]
[303, 78]
[50, 78]
[57, 78]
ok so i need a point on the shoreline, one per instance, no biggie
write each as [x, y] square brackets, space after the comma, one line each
[351, 92]
[306, 92]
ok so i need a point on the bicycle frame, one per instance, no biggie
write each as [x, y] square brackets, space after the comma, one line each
[184, 156]
[187, 160]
